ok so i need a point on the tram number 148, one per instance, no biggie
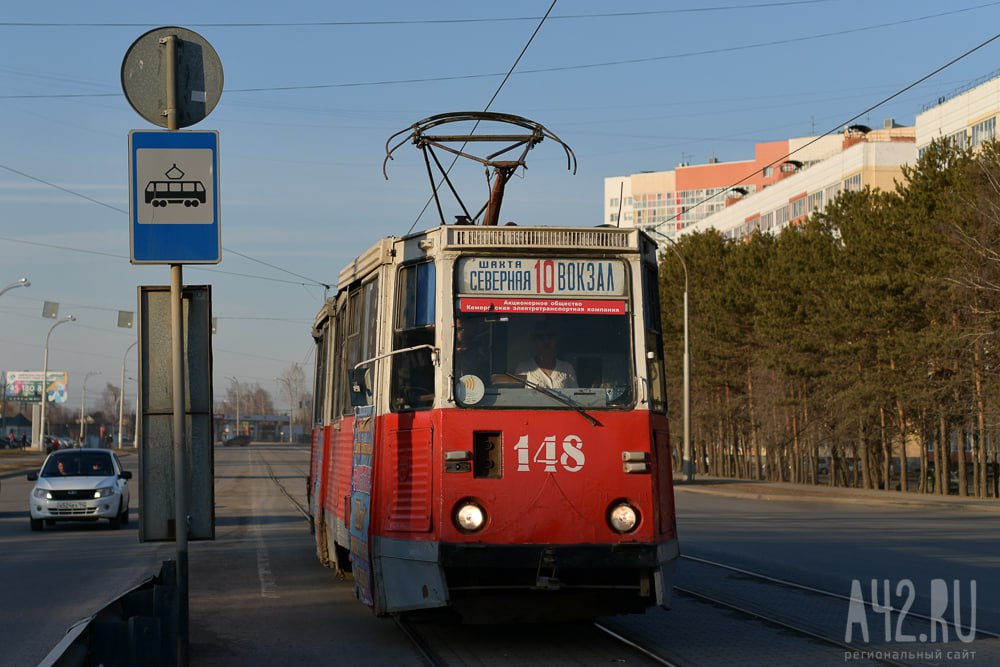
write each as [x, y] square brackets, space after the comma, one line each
[569, 457]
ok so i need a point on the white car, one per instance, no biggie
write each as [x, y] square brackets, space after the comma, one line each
[80, 485]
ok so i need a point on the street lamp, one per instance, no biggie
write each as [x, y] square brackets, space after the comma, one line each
[121, 396]
[687, 465]
[20, 282]
[45, 379]
[83, 406]
[291, 400]
[237, 404]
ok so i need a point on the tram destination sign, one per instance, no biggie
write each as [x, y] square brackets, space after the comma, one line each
[174, 197]
[539, 276]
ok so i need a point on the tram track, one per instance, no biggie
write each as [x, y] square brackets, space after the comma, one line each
[980, 633]
[300, 507]
[450, 644]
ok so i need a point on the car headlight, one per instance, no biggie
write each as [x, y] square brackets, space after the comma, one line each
[623, 518]
[104, 491]
[469, 516]
[42, 493]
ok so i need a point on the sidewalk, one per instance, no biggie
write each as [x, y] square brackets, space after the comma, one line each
[13, 461]
[739, 488]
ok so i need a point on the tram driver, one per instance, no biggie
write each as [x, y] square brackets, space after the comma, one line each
[544, 368]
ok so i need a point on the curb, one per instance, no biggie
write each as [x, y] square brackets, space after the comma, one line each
[810, 493]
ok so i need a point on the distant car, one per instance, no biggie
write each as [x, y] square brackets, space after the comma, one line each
[80, 485]
[237, 441]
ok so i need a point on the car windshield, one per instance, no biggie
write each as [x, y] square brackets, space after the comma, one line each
[78, 465]
[543, 360]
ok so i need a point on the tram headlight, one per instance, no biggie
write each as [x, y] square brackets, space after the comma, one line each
[469, 516]
[622, 517]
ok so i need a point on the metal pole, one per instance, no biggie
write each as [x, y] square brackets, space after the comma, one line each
[3, 410]
[291, 421]
[45, 380]
[236, 428]
[687, 465]
[20, 282]
[121, 396]
[83, 408]
[177, 380]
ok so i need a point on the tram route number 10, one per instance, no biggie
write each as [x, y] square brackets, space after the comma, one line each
[569, 457]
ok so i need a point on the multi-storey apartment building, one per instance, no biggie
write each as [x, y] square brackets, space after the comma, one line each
[774, 191]
[872, 158]
[674, 200]
[968, 118]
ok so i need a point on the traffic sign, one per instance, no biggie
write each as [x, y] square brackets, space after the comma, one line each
[198, 74]
[174, 197]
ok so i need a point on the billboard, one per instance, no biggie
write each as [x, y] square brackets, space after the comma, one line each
[26, 386]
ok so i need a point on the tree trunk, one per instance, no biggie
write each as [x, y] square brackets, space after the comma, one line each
[979, 448]
[963, 483]
[862, 456]
[752, 415]
[886, 450]
[941, 456]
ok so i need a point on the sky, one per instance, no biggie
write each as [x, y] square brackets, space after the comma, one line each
[313, 90]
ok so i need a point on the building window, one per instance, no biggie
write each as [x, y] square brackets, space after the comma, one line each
[853, 183]
[983, 131]
[798, 208]
[614, 202]
[781, 216]
[832, 192]
[768, 172]
[958, 139]
[815, 202]
[767, 221]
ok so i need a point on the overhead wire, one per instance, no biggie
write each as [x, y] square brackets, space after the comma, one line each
[501, 19]
[117, 209]
[496, 93]
[562, 68]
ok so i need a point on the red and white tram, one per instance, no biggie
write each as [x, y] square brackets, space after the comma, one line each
[490, 429]
[448, 469]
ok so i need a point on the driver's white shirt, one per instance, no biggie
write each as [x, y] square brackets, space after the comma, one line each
[562, 376]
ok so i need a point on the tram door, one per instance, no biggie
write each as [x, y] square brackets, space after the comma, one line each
[409, 440]
[361, 345]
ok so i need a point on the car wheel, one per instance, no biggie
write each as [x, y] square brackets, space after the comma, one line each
[124, 516]
[36, 524]
[116, 521]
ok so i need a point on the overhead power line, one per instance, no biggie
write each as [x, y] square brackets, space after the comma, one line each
[846, 122]
[545, 70]
[494, 19]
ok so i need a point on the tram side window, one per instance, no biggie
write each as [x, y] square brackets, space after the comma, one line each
[654, 340]
[413, 372]
[352, 347]
[361, 340]
[338, 353]
[321, 337]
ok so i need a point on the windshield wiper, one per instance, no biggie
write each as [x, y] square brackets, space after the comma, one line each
[551, 394]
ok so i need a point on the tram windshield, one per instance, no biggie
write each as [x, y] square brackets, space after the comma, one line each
[551, 360]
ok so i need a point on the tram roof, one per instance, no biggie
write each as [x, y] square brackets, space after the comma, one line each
[471, 237]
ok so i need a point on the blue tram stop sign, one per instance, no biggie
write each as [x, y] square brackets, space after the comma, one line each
[174, 197]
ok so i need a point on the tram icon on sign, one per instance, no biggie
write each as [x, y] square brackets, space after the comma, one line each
[175, 190]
